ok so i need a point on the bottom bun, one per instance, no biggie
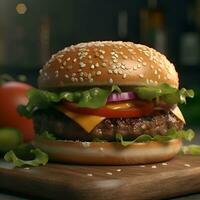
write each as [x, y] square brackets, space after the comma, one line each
[107, 153]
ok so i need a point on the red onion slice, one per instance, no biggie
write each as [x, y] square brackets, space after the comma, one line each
[123, 96]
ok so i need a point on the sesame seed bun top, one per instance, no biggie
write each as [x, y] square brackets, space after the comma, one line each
[107, 63]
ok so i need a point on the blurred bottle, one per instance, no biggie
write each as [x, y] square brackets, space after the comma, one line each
[45, 39]
[190, 40]
[152, 27]
[2, 45]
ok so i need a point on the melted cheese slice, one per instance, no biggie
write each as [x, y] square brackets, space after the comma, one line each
[87, 122]
[176, 111]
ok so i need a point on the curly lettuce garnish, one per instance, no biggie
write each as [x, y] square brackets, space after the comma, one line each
[192, 149]
[171, 134]
[26, 156]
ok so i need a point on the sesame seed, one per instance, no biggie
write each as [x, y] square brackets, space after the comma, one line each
[120, 72]
[111, 80]
[56, 71]
[116, 56]
[97, 65]
[124, 76]
[164, 164]
[81, 79]
[114, 67]
[119, 170]
[155, 72]
[101, 56]
[101, 149]
[40, 71]
[68, 59]
[123, 67]
[104, 64]
[64, 63]
[66, 76]
[60, 56]
[115, 60]
[90, 57]
[89, 174]
[59, 60]
[141, 76]
[98, 73]
[92, 67]
[74, 74]
[158, 76]
[187, 165]
[109, 173]
[153, 166]
[139, 60]
[74, 60]
[110, 71]
[125, 57]
[85, 74]
[91, 80]
[142, 166]
[144, 63]
[159, 69]
[116, 71]
[152, 66]
[134, 67]
[82, 64]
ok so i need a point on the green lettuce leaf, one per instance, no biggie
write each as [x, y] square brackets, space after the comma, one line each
[30, 157]
[191, 149]
[164, 92]
[92, 98]
[97, 97]
[171, 134]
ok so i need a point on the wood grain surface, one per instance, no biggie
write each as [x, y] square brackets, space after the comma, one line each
[177, 177]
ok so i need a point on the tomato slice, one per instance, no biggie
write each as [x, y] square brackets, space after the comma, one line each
[138, 109]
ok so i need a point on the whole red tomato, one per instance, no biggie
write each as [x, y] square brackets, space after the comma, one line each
[13, 94]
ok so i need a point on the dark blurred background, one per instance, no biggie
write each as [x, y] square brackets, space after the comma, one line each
[31, 30]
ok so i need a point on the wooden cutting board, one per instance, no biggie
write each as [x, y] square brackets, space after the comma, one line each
[177, 177]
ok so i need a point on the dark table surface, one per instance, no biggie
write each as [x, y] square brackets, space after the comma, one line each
[4, 195]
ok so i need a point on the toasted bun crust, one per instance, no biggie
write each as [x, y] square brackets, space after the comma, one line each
[108, 153]
[106, 63]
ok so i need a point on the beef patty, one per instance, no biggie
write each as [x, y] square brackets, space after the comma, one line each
[63, 127]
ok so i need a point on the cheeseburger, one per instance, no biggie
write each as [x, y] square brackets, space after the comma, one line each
[108, 103]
